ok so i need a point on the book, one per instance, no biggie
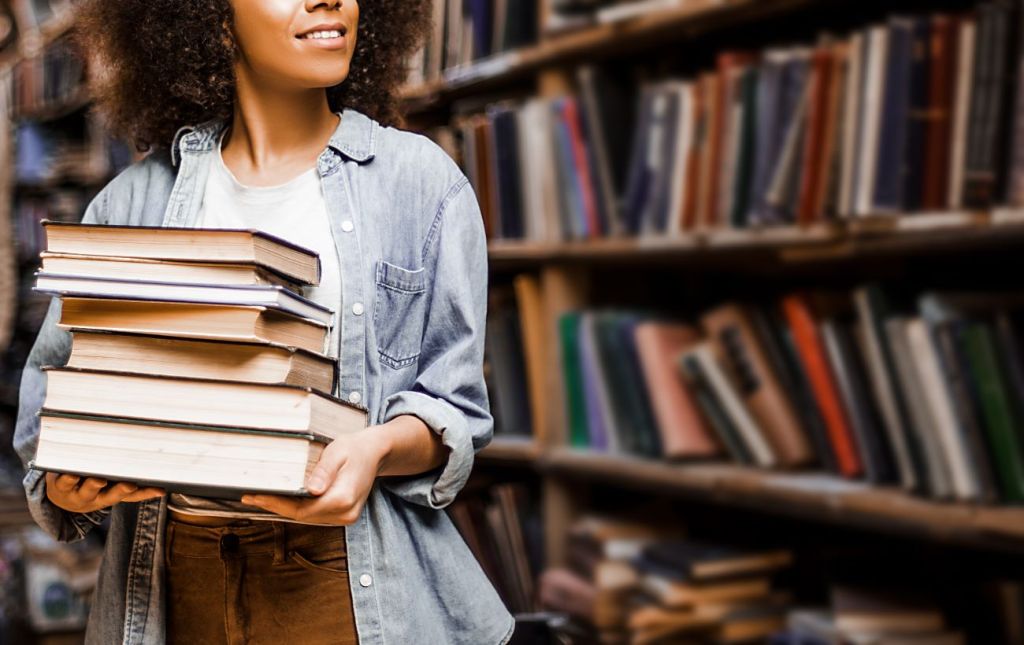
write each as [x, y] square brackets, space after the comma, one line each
[268, 363]
[530, 306]
[736, 346]
[1000, 418]
[197, 459]
[700, 561]
[162, 270]
[843, 352]
[747, 429]
[939, 399]
[815, 362]
[683, 432]
[888, 611]
[674, 593]
[193, 320]
[253, 406]
[872, 311]
[576, 412]
[269, 296]
[934, 474]
[190, 244]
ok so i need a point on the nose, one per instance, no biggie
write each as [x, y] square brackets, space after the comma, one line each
[328, 4]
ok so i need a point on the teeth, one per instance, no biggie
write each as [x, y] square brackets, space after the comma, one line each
[323, 34]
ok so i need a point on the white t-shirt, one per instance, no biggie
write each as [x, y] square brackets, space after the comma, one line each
[294, 211]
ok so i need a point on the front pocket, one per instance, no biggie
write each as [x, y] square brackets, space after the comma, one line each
[398, 313]
[334, 563]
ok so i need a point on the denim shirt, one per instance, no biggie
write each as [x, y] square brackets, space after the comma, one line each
[411, 246]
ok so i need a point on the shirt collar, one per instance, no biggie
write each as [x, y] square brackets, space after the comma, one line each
[355, 137]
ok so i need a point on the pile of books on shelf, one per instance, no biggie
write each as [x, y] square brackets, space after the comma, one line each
[196, 364]
[503, 530]
[73, 149]
[919, 114]
[637, 583]
[926, 394]
[866, 615]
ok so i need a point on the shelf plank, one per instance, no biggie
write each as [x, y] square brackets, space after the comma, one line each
[791, 244]
[511, 450]
[815, 496]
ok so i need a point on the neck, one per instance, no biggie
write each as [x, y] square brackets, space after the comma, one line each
[274, 127]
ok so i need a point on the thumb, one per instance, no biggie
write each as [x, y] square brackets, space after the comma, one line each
[331, 460]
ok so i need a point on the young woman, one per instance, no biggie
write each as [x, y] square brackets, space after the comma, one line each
[279, 115]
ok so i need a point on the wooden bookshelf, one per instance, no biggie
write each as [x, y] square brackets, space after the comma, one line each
[504, 450]
[883, 234]
[602, 41]
[810, 495]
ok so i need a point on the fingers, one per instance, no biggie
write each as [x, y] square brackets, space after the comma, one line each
[90, 489]
[114, 494]
[285, 506]
[331, 460]
[144, 494]
[62, 483]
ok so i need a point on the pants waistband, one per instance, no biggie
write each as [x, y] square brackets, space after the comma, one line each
[258, 538]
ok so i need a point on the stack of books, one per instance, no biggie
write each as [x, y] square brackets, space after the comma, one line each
[639, 583]
[863, 615]
[196, 365]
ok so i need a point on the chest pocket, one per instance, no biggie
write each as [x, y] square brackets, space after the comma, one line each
[398, 313]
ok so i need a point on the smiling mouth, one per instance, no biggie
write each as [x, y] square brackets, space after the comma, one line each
[323, 34]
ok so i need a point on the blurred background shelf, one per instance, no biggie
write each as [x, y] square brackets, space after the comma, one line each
[591, 43]
[815, 496]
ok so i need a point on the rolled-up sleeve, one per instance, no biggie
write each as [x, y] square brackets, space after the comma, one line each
[449, 394]
[52, 347]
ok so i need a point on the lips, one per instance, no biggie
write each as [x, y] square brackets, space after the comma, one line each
[323, 32]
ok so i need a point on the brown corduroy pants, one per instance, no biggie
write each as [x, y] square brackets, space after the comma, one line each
[264, 582]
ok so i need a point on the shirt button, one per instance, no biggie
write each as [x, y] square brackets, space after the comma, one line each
[357, 309]
[354, 397]
[366, 580]
[347, 226]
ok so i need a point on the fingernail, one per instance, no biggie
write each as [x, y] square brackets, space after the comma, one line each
[316, 483]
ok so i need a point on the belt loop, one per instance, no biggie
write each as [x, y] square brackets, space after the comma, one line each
[280, 542]
[169, 539]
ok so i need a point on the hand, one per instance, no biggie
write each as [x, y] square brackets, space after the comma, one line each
[341, 481]
[72, 493]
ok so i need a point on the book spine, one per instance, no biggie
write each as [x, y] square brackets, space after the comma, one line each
[941, 83]
[819, 373]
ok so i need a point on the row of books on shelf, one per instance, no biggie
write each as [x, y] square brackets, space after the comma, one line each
[640, 582]
[466, 30]
[501, 525]
[920, 113]
[75, 150]
[53, 78]
[926, 394]
[58, 205]
[214, 317]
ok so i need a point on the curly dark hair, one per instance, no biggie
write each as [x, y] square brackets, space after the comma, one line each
[161, 64]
